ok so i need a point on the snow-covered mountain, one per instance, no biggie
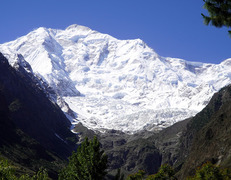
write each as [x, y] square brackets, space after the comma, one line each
[106, 83]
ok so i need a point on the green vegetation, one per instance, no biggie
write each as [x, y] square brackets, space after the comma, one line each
[219, 13]
[210, 171]
[136, 176]
[165, 172]
[7, 172]
[88, 163]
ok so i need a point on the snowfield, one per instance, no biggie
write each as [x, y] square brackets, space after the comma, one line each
[106, 83]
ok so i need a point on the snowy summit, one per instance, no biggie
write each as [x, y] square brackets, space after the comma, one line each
[106, 83]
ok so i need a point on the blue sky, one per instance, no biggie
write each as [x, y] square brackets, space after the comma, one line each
[173, 28]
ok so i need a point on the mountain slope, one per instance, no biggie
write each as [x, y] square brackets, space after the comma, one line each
[185, 145]
[106, 83]
[208, 134]
[32, 112]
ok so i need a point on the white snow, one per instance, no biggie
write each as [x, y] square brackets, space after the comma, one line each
[117, 84]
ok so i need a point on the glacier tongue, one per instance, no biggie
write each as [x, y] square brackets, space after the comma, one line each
[117, 84]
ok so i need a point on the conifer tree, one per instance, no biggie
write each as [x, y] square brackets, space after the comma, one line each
[88, 163]
[219, 13]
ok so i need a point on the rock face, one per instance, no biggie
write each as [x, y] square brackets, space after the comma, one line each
[207, 137]
[144, 150]
[106, 83]
[30, 110]
[186, 145]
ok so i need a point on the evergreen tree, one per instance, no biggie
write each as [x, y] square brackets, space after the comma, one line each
[219, 13]
[88, 163]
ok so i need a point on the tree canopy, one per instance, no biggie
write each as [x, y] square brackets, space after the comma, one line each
[88, 163]
[219, 13]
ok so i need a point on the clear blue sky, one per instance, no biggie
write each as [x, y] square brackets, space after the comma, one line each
[173, 28]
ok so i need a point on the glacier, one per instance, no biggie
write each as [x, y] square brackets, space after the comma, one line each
[105, 83]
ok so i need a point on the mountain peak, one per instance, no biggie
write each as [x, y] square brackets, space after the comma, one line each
[77, 27]
[41, 30]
